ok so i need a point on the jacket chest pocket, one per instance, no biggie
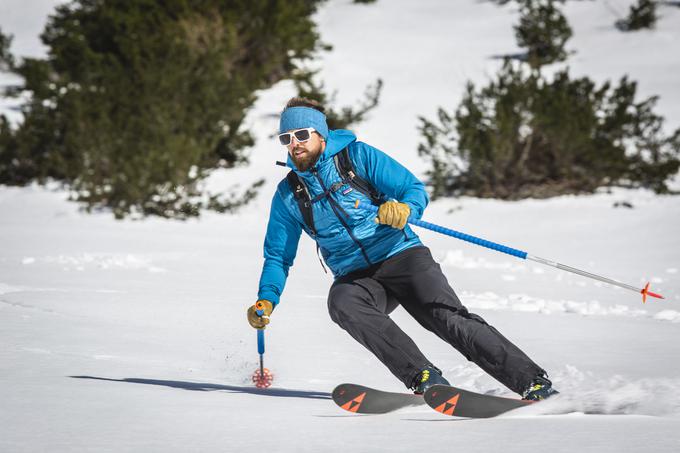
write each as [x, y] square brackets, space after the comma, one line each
[347, 197]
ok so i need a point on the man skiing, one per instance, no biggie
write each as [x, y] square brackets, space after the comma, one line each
[378, 262]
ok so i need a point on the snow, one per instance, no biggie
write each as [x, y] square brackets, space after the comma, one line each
[131, 335]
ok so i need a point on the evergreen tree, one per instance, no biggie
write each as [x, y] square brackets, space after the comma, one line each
[543, 31]
[138, 101]
[641, 15]
[528, 135]
[6, 58]
[308, 87]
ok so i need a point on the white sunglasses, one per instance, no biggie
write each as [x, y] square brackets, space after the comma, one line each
[301, 135]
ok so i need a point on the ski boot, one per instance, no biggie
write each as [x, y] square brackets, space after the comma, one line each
[430, 376]
[540, 389]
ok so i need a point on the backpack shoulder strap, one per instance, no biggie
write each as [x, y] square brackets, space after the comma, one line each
[303, 199]
[345, 168]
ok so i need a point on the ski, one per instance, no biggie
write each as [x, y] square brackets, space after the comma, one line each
[365, 400]
[464, 403]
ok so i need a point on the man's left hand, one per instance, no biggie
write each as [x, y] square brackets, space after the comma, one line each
[260, 321]
[394, 214]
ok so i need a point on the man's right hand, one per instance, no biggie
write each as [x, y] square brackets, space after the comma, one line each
[257, 321]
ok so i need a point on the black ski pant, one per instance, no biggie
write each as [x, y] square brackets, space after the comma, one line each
[361, 302]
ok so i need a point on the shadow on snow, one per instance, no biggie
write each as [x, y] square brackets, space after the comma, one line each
[206, 387]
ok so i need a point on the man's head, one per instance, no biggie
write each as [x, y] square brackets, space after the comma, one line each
[304, 131]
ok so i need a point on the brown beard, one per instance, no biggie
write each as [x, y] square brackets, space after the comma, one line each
[307, 160]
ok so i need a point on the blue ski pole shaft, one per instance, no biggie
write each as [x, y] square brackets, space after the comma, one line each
[260, 343]
[518, 253]
[455, 234]
[260, 349]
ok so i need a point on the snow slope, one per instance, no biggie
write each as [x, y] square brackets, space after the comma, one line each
[130, 336]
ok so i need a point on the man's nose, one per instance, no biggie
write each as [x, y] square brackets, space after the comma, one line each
[293, 141]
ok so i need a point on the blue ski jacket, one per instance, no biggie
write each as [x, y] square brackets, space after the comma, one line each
[349, 239]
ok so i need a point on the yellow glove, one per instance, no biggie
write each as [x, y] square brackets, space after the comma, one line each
[394, 214]
[259, 322]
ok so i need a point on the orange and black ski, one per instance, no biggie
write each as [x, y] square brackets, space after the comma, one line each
[464, 403]
[365, 400]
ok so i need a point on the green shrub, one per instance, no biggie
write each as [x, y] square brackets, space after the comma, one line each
[524, 136]
[527, 135]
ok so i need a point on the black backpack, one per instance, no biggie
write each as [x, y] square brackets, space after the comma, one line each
[346, 171]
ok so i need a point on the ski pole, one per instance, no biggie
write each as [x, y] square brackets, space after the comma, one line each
[263, 377]
[517, 253]
[260, 350]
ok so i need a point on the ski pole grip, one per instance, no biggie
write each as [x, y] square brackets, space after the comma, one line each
[456, 234]
[260, 341]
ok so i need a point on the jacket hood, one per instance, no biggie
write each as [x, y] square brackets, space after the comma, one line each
[337, 140]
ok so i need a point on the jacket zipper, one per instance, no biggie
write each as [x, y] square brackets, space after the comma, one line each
[335, 207]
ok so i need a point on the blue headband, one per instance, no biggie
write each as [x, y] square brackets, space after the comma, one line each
[302, 117]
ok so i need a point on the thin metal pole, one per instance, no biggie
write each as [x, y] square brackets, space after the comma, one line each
[574, 270]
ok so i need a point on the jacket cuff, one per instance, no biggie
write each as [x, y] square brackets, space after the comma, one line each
[270, 296]
[415, 210]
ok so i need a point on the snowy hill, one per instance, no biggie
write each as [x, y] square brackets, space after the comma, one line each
[131, 336]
